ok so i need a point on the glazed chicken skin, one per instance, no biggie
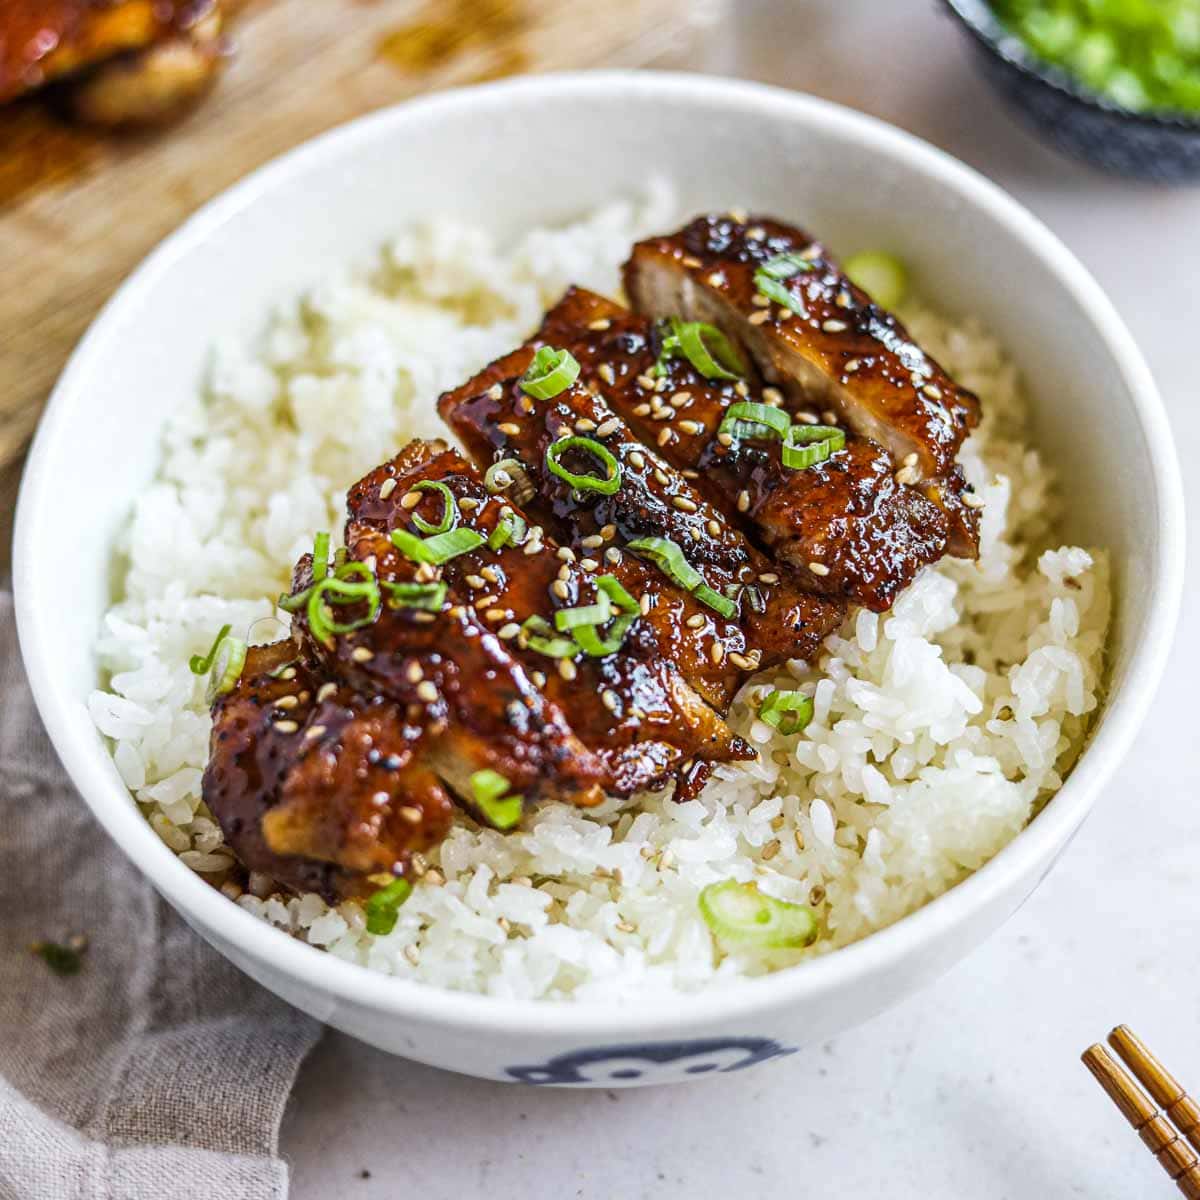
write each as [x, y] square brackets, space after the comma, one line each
[630, 709]
[314, 785]
[770, 620]
[127, 61]
[846, 525]
[830, 347]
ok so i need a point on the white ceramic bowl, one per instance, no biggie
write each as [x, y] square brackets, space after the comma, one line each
[596, 136]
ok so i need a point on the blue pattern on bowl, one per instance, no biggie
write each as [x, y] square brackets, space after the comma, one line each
[1163, 147]
[654, 1062]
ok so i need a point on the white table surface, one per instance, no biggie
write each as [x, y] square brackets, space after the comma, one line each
[974, 1087]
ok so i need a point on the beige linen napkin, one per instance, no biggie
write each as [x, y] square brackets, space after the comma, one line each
[156, 1071]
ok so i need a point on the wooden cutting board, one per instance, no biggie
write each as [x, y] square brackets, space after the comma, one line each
[79, 210]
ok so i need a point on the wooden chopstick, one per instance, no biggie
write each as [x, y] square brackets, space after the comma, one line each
[1164, 1088]
[1175, 1156]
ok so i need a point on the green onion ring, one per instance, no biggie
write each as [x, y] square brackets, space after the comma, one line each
[714, 600]
[505, 467]
[320, 556]
[340, 591]
[612, 587]
[222, 664]
[439, 548]
[488, 789]
[718, 359]
[596, 646]
[739, 914]
[551, 372]
[567, 619]
[769, 278]
[538, 634]
[449, 516]
[806, 445]
[606, 485]
[383, 907]
[424, 597]
[787, 711]
[202, 664]
[747, 419]
[669, 559]
[510, 528]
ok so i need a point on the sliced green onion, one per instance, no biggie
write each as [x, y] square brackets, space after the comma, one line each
[806, 445]
[595, 645]
[294, 603]
[709, 350]
[769, 278]
[611, 586]
[501, 475]
[749, 420]
[510, 528]
[488, 788]
[551, 371]
[881, 276]
[739, 914]
[320, 563]
[606, 485]
[449, 517]
[332, 590]
[425, 597]
[201, 665]
[383, 908]
[789, 712]
[567, 619]
[538, 634]
[437, 549]
[669, 559]
[714, 599]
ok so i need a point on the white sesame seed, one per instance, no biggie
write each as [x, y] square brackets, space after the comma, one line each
[740, 661]
[361, 654]
[325, 691]
[610, 700]
[410, 813]
[505, 632]
[286, 726]
[289, 701]
[770, 850]
[680, 399]
[637, 459]
[495, 391]
[933, 391]
[834, 326]
[427, 692]
[524, 403]
[818, 568]
[743, 501]
[489, 573]
[760, 301]
[784, 314]
[600, 324]
[757, 318]
[612, 555]
[717, 653]
[496, 614]
[844, 300]
[484, 601]
[584, 425]
[829, 417]
[714, 527]
[911, 460]
[641, 410]
[662, 477]
[645, 604]
[386, 488]
[539, 679]
[566, 554]
[648, 382]
[626, 927]
[605, 371]
[608, 532]
[697, 621]
[726, 439]
[413, 673]
[424, 618]
[434, 877]
[684, 504]
[591, 541]
[588, 564]
[772, 396]
[808, 418]
[667, 435]
[908, 476]
[609, 426]
[288, 673]
[566, 668]
[716, 279]
[314, 731]
[474, 581]
[663, 414]
[971, 500]
[564, 572]
[768, 577]
[692, 427]
[411, 500]
[509, 428]
[695, 534]
[467, 503]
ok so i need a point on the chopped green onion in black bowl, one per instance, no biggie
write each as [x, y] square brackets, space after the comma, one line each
[1113, 82]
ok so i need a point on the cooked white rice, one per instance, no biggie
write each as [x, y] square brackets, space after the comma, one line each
[940, 728]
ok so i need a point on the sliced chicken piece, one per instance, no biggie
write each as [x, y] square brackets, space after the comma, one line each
[456, 680]
[830, 347]
[845, 525]
[771, 620]
[128, 61]
[314, 785]
[630, 707]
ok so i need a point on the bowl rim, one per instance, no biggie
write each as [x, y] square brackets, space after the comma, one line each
[272, 949]
[980, 20]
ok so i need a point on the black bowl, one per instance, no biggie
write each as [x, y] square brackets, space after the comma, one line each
[1164, 147]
